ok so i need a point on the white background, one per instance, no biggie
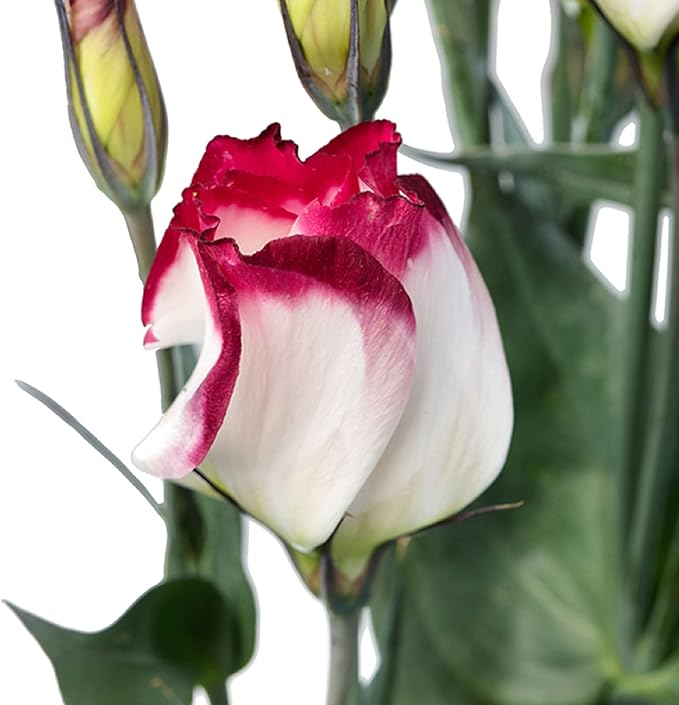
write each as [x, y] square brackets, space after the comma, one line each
[77, 544]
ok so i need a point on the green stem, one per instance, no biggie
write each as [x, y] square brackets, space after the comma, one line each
[343, 677]
[560, 108]
[461, 36]
[648, 184]
[140, 226]
[660, 470]
[217, 694]
[594, 113]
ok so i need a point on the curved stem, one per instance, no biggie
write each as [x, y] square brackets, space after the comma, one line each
[343, 677]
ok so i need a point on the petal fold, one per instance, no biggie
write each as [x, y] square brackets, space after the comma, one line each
[328, 357]
[372, 148]
[454, 434]
[186, 302]
[322, 355]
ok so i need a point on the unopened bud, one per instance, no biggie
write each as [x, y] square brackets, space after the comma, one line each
[342, 53]
[115, 103]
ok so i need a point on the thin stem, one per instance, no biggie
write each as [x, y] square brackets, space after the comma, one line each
[93, 441]
[648, 183]
[170, 369]
[597, 82]
[343, 677]
[140, 226]
[560, 109]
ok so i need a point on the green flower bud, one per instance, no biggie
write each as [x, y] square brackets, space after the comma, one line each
[342, 53]
[115, 104]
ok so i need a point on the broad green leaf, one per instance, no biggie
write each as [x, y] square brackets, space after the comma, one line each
[410, 671]
[179, 635]
[551, 306]
[528, 621]
[205, 540]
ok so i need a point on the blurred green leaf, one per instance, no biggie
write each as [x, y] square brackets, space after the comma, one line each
[583, 173]
[660, 687]
[178, 635]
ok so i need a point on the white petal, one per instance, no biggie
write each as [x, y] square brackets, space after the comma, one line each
[324, 377]
[454, 435]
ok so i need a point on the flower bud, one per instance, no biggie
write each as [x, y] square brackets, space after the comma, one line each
[115, 104]
[342, 52]
[351, 386]
[643, 24]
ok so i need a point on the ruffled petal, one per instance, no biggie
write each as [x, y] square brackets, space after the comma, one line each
[329, 178]
[265, 155]
[454, 435]
[328, 342]
[187, 302]
[392, 230]
[372, 148]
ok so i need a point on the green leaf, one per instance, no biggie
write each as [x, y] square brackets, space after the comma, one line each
[178, 635]
[205, 539]
[660, 687]
[92, 440]
[584, 173]
[538, 614]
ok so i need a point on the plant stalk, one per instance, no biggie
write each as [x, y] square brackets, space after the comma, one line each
[343, 676]
[140, 226]
[591, 122]
[648, 184]
[662, 460]
[217, 694]
[172, 373]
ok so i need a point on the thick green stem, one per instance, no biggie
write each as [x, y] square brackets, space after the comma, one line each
[343, 677]
[217, 694]
[660, 468]
[648, 186]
